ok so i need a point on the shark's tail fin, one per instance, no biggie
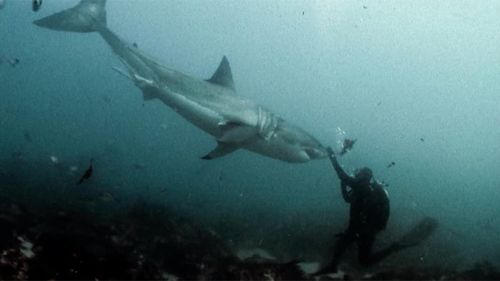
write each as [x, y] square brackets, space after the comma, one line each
[87, 16]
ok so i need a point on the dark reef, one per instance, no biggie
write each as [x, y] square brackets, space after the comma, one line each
[48, 232]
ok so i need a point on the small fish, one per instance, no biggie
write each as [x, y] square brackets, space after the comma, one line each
[13, 62]
[347, 145]
[36, 5]
[87, 174]
[2, 4]
[135, 45]
[391, 164]
[163, 190]
[422, 139]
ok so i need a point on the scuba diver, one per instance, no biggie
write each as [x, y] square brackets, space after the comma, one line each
[369, 213]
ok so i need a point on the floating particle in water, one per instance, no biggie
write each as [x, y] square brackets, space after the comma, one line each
[54, 159]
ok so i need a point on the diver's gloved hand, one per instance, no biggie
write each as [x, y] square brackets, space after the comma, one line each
[330, 152]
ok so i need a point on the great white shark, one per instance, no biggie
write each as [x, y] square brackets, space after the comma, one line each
[212, 105]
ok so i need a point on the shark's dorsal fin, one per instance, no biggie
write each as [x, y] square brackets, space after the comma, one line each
[223, 75]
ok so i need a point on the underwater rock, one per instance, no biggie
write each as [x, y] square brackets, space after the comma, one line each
[256, 254]
[46, 235]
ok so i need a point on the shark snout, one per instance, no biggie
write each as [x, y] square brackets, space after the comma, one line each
[316, 152]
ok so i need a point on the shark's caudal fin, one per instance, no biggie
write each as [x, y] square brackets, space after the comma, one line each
[87, 16]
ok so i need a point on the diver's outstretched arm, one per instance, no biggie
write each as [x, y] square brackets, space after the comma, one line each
[343, 176]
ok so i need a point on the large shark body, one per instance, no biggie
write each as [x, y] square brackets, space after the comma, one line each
[212, 105]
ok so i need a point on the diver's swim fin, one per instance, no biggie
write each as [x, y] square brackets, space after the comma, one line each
[420, 232]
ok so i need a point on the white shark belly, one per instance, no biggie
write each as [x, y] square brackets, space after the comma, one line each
[201, 116]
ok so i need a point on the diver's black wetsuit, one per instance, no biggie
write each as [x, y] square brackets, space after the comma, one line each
[364, 224]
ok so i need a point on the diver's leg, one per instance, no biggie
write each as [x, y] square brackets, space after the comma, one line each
[365, 246]
[366, 255]
[341, 245]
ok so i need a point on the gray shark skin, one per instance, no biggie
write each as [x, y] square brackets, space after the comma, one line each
[212, 105]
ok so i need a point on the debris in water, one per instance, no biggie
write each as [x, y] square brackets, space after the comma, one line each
[36, 4]
[87, 174]
[54, 160]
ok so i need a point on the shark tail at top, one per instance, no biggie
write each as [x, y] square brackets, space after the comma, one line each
[86, 16]
[90, 16]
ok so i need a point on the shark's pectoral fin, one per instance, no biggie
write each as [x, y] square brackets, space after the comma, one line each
[234, 132]
[222, 149]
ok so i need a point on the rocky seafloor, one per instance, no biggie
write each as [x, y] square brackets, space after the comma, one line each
[149, 243]
[49, 233]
